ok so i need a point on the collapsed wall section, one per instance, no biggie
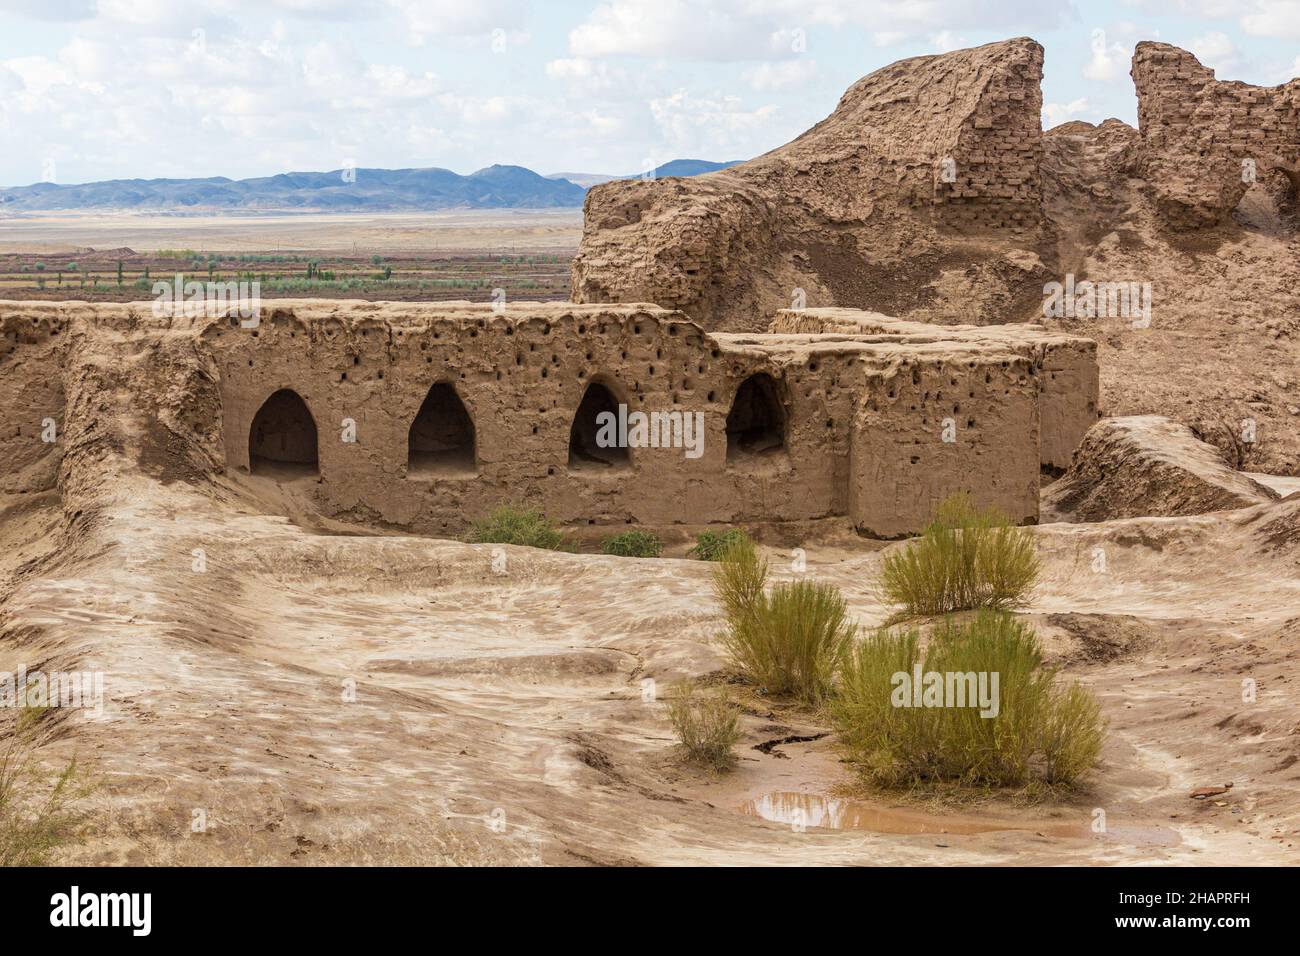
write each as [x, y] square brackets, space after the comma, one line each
[1203, 141]
[924, 164]
[31, 398]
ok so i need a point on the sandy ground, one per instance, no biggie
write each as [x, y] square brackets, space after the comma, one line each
[344, 697]
[459, 231]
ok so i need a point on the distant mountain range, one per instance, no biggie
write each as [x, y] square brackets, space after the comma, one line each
[677, 167]
[351, 190]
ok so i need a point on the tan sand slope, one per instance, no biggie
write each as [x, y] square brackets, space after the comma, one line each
[1147, 465]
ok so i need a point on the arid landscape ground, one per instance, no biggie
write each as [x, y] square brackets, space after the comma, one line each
[320, 689]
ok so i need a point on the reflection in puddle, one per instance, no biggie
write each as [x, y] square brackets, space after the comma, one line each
[804, 810]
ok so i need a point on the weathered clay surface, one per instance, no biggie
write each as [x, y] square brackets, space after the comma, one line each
[1147, 465]
[1204, 141]
[868, 419]
[920, 192]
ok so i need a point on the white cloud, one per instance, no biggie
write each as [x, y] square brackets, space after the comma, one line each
[1273, 18]
[782, 75]
[701, 126]
[945, 41]
[1109, 62]
[1054, 114]
[586, 77]
[1215, 50]
[734, 29]
[672, 28]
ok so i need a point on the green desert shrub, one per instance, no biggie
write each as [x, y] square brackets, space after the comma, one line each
[789, 640]
[514, 524]
[966, 558]
[39, 814]
[1026, 729]
[706, 722]
[634, 544]
[709, 545]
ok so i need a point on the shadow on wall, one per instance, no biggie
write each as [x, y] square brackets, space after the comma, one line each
[282, 440]
[584, 452]
[756, 422]
[441, 439]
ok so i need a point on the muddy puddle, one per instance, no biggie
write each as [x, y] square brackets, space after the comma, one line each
[818, 811]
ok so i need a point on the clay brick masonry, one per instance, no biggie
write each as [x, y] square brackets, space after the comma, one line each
[424, 416]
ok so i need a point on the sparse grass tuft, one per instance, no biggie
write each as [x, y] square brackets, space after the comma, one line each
[707, 724]
[513, 524]
[709, 545]
[38, 815]
[791, 640]
[966, 558]
[1042, 733]
[634, 544]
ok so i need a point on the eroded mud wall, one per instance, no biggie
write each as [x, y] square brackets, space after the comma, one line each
[1197, 132]
[31, 399]
[365, 371]
[925, 429]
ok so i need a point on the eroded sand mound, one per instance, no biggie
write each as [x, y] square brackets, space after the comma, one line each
[1147, 465]
[918, 196]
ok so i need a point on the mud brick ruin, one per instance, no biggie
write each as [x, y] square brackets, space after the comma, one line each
[423, 416]
[845, 314]
[1198, 134]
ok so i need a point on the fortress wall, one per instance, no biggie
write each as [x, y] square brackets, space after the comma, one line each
[1066, 365]
[901, 466]
[31, 392]
[862, 414]
[998, 150]
[522, 376]
[1196, 130]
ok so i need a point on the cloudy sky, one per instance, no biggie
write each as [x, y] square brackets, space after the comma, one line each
[100, 89]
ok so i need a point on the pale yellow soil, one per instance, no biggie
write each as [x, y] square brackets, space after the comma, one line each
[501, 718]
[458, 231]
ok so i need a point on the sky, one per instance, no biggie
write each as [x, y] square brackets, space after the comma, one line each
[107, 89]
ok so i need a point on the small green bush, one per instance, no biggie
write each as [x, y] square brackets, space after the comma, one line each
[791, 640]
[709, 545]
[634, 544]
[1042, 732]
[966, 558]
[706, 723]
[38, 815]
[513, 524]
